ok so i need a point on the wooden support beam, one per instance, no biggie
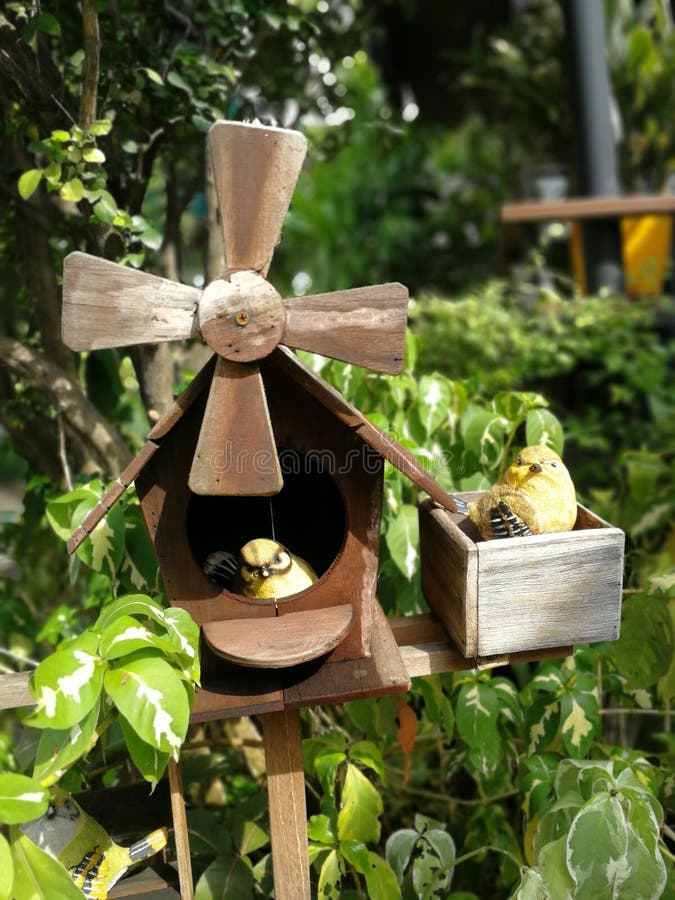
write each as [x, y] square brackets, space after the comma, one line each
[288, 809]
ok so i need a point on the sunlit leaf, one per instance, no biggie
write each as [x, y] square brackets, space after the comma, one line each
[37, 875]
[402, 538]
[28, 183]
[21, 798]
[58, 749]
[596, 848]
[360, 809]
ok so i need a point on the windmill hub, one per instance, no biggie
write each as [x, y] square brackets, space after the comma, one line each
[241, 316]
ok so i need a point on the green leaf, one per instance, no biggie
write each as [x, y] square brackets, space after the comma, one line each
[381, 880]
[21, 798]
[7, 869]
[153, 699]
[596, 848]
[644, 651]
[542, 427]
[552, 866]
[149, 761]
[152, 75]
[29, 182]
[52, 173]
[434, 400]
[541, 722]
[248, 836]
[647, 874]
[477, 711]
[104, 549]
[67, 684]
[370, 755]
[319, 829]
[48, 24]
[437, 703]
[126, 635]
[402, 538]
[60, 136]
[360, 809]
[105, 208]
[229, 876]
[100, 127]
[178, 81]
[329, 877]
[37, 875]
[531, 886]
[60, 511]
[399, 850]
[58, 749]
[72, 190]
[93, 155]
[579, 721]
[484, 432]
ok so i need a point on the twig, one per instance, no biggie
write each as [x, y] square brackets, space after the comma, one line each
[63, 456]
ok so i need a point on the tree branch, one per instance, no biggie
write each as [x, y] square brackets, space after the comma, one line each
[90, 67]
[96, 444]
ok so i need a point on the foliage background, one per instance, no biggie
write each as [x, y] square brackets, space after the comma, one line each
[104, 150]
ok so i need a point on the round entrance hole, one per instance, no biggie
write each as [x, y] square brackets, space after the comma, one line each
[307, 516]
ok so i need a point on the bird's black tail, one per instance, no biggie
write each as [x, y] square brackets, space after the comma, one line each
[461, 505]
[220, 567]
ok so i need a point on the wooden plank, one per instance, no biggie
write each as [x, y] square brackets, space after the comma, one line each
[449, 573]
[365, 326]
[422, 642]
[287, 805]
[280, 641]
[108, 305]
[148, 883]
[425, 649]
[14, 691]
[383, 672]
[236, 453]
[180, 831]
[549, 589]
[580, 208]
[255, 170]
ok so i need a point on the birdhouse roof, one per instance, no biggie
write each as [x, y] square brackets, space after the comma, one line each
[315, 386]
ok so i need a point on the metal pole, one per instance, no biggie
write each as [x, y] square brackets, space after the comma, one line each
[596, 153]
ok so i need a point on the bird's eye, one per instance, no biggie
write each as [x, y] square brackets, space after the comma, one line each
[554, 464]
[277, 558]
[519, 461]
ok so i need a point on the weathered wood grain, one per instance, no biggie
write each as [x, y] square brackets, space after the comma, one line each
[236, 453]
[255, 170]
[280, 641]
[522, 594]
[180, 831]
[241, 316]
[287, 805]
[108, 305]
[365, 325]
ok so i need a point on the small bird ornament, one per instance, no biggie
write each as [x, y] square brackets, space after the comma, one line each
[265, 570]
[95, 862]
[535, 496]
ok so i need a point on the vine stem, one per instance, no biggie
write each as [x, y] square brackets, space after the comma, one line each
[472, 853]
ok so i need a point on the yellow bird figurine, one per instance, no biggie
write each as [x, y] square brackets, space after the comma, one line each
[266, 570]
[535, 496]
[95, 862]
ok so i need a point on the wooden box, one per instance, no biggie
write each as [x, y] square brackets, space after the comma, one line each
[508, 595]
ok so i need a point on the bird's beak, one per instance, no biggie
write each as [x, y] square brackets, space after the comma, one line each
[264, 571]
[535, 467]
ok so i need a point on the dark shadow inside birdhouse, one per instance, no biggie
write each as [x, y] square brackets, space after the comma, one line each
[307, 516]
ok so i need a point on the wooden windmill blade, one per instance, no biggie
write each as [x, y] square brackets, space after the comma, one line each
[108, 305]
[239, 315]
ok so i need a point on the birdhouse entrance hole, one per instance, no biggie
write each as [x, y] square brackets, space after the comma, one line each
[307, 516]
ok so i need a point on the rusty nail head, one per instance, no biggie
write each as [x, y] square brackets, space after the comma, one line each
[242, 317]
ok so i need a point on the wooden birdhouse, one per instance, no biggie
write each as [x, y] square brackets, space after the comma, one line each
[524, 593]
[258, 446]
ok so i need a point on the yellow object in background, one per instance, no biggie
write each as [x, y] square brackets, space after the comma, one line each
[646, 242]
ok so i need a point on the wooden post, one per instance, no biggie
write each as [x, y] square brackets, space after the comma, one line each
[288, 811]
[180, 831]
